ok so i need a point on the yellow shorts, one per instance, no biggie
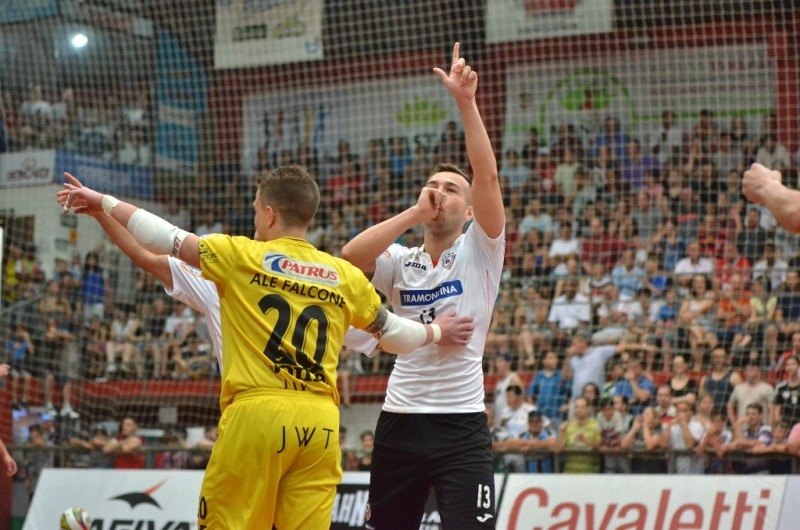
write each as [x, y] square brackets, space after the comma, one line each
[277, 461]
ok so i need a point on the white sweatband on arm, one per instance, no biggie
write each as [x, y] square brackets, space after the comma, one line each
[401, 335]
[155, 234]
[108, 203]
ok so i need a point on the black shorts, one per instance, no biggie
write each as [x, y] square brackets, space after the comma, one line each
[451, 453]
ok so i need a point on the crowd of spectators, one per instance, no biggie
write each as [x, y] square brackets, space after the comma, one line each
[108, 126]
[638, 282]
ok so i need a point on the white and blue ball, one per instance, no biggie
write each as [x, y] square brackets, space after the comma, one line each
[75, 519]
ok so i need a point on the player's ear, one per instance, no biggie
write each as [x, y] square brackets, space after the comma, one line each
[468, 215]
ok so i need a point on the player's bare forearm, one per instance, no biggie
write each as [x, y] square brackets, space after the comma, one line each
[366, 247]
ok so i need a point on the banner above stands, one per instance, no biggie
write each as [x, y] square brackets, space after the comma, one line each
[27, 168]
[508, 21]
[267, 33]
[105, 176]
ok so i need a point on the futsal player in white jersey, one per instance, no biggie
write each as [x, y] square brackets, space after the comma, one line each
[432, 431]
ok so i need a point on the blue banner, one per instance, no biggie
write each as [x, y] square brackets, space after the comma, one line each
[22, 10]
[106, 177]
[182, 88]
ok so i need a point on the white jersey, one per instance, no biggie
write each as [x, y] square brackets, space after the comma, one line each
[190, 287]
[466, 279]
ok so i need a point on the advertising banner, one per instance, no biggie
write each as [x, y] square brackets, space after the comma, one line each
[636, 87]
[22, 10]
[27, 168]
[515, 20]
[663, 502]
[265, 33]
[181, 89]
[415, 108]
[107, 177]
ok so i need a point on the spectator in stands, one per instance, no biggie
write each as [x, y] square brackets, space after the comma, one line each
[549, 390]
[752, 391]
[786, 406]
[588, 363]
[720, 381]
[741, 140]
[627, 276]
[752, 240]
[193, 360]
[35, 117]
[787, 306]
[175, 456]
[179, 324]
[506, 378]
[779, 444]
[684, 432]
[591, 393]
[750, 430]
[733, 311]
[95, 288]
[585, 196]
[530, 151]
[772, 155]
[515, 170]
[614, 316]
[667, 142]
[664, 407]
[95, 457]
[176, 213]
[565, 176]
[19, 352]
[717, 440]
[58, 362]
[731, 263]
[580, 434]
[564, 246]
[774, 269]
[205, 444]
[692, 265]
[669, 244]
[596, 282]
[451, 146]
[365, 452]
[611, 430]
[34, 461]
[636, 386]
[96, 333]
[645, 440]
[536, 439]
[601, 247]
[706, 131]
[613, 138]
[533, 333]
[682, 386]
[697, 316]
[647, 218]
[536, 219]
[515, 422]
[637, 166]
[569, 311]
[126, 446]
[123, 356]
[499, 336]
[621, 406]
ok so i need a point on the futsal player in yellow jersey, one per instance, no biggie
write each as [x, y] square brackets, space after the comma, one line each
[285, 307]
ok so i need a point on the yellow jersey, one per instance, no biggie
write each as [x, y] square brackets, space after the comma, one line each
[285, 308]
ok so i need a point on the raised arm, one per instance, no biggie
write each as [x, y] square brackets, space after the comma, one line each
[462, 83]
[763, 186]
[150, 231]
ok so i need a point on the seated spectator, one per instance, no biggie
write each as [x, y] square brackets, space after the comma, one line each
[349, 456]
[627, 276]
[721, 380]
[96, 334]
[772, 154]
[621, 406]
[126, 446]
[751, 391]
[636, 165]
[600, 246]
[569, 311]
[501, 328]
[506, 378]
[697, 317]
[564, 246]
[123, 356]
[787, 306]
[786, 404]
[536, 219]
[591, 393]
[580, 434]
[611, 430]
[732, 313]
[693, 265]
[685, 432]
[780, 443]
[773, 269]
[19, 352]
[596, 282]
[682, 387]
[365, 452]
[515, 422]
[752, 239]
[533, 333]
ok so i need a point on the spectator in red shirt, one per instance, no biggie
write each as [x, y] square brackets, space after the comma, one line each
[732, 262]
[126, 446]
[600, 247]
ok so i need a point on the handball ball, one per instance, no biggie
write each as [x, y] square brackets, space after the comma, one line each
[75, 519]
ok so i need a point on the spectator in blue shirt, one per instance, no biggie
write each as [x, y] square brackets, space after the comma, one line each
[637, 387]
[535, 439]
[549, 390]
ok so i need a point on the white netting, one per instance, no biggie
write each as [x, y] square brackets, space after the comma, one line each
[176, 106]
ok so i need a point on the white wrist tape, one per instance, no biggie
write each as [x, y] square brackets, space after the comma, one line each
[155, 234]
[437, 333]
[401, 335]
[108, 203]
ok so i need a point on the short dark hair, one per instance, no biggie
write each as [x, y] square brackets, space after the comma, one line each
[292, 192]
[447, 167]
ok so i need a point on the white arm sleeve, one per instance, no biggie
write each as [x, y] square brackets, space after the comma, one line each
[401, 335]
[155, 234]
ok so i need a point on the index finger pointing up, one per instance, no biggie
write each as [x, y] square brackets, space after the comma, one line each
[456, 52]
